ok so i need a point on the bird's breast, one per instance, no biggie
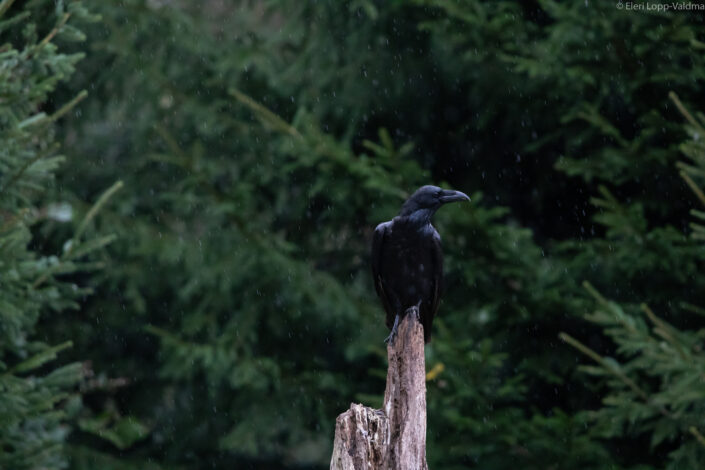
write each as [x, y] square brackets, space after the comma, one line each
[408, 264]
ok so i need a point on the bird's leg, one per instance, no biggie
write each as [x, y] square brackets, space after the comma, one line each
[393, 334]
[418, 310]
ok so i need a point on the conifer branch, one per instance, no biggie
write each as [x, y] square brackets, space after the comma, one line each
[73, 243]
[39, 359]
[265, 115]
[43, 119]
[689, 117]
[694, 431]
[52, 33]
[690, 169]
[605, 364]
[694, 187]
[96, 207]
[595, 293]
[692, 308]
[5, 5]
[665, 331]
[68, 106]
[48, 151]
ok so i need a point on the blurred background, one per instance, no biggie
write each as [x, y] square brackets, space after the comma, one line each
[188, 192]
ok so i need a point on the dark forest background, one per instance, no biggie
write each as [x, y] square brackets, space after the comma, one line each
[188, 192]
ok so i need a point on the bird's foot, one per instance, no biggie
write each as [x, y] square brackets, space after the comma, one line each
[393, 334]
[417, 311]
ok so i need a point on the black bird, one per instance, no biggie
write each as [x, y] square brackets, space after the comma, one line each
[407, 260]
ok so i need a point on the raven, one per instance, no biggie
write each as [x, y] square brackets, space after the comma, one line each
[407, 261]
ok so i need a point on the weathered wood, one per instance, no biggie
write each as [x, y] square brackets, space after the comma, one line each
[405, 396]
[361, 439]
[393, 438]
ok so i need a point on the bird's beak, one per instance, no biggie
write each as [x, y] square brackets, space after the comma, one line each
[448, 195]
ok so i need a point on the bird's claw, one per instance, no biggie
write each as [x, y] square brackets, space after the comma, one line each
[390, 339]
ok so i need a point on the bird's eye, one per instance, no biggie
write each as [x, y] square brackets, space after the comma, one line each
[438, 193]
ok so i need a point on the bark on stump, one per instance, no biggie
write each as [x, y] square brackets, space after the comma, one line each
[393, 438]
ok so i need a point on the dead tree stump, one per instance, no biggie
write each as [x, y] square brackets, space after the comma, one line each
[393, 438]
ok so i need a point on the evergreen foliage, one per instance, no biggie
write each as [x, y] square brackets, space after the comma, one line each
[261, 142]
[37, 396]
[656, 389]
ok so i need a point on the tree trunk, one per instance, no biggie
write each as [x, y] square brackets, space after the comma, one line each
[393, 438]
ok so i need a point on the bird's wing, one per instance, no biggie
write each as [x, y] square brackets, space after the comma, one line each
[437, 280]
[377, 247]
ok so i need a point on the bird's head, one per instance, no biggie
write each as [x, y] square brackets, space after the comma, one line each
[428, 199]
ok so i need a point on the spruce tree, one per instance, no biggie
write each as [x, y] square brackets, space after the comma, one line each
[39, 392]
[654, 384]
[261, 144]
